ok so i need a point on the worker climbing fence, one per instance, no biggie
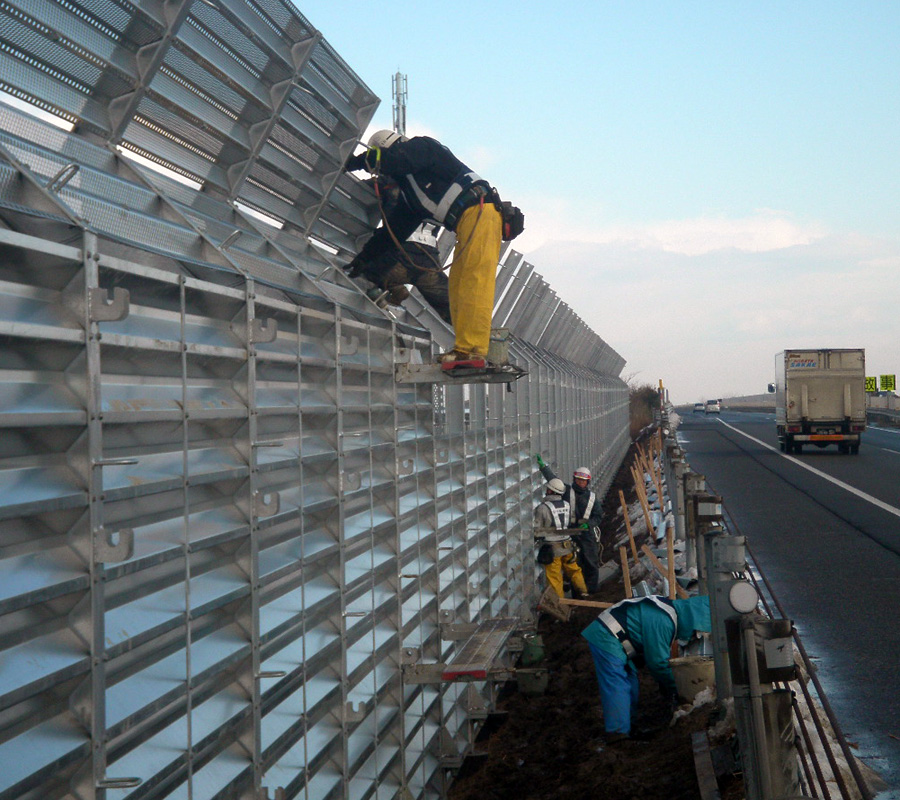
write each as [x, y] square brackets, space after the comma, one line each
[233, 544]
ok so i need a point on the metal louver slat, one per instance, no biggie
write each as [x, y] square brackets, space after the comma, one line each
[225, 529]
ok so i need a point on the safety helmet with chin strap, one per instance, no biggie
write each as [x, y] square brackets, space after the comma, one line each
[582, 472]
[384, 139]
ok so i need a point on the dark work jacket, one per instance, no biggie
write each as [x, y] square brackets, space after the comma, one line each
[418, 165]
[581, 500]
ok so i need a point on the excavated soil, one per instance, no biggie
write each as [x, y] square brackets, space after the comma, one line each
[551, 747]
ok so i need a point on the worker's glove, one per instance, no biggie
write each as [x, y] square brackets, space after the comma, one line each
[584, 526]
[540, 461]
[354, 268]
[355, 163]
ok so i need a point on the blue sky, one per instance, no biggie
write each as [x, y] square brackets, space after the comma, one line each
[729, 169]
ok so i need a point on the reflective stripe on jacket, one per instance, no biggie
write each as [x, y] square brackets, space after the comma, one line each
[572, 498]
[558, 510]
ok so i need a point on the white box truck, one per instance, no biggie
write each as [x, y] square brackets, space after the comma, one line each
[820, 398]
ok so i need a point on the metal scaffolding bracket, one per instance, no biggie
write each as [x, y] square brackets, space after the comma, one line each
[433, 373]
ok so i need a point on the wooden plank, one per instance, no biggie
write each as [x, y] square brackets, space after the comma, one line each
[586, 603]
[626, 574]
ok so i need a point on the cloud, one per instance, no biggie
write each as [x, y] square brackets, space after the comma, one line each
[766, 229]
[709, 323]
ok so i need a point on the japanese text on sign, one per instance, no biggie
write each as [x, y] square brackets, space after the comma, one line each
[888, 383]
[871, 384]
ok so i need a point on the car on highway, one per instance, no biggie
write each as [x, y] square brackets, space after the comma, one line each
[713, 407]
[699, 408]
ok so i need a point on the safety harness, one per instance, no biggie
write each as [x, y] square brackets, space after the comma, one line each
[560, 544]
[466, 190]
[573, 499]
[560, 511]
[616, 628]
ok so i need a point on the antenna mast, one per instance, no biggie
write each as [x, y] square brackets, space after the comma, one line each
[398, 92]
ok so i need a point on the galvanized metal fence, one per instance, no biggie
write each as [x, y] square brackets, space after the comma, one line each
[223, 524]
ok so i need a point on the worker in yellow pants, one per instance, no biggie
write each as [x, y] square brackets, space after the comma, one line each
[557, 553]
[435, 185]
[472, 278]
[565, 565]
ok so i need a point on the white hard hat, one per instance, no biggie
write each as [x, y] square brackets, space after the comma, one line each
[556, 486]
[384, 139]
[582, 472]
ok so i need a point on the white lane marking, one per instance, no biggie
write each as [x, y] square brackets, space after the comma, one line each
[884, 430]
[852, 489]
[895, 452]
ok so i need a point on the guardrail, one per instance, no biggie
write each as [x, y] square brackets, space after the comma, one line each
[791, 743]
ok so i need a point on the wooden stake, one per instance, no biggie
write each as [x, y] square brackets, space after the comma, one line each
[628, 525]
[640, 451]
[626, 573]
[670, 554]
[661, 569]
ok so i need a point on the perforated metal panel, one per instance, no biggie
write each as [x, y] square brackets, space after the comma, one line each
[223, 525]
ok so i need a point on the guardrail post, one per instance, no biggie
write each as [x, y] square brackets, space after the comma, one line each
[693, 484]
[707, 514]
[725, 555]
[762, 653]
[675, 480]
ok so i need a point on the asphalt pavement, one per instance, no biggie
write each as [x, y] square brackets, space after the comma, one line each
[825, 530]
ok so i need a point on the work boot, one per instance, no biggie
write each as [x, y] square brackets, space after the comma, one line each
[457, 358]
[615, 738]
[397, 295]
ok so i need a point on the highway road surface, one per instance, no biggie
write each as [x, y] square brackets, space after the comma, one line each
[825, 530]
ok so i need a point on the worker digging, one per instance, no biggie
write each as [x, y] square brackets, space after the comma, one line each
[435, 186]
[636, 632]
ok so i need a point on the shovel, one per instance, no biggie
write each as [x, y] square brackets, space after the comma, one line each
[550, 603]
[560, 607]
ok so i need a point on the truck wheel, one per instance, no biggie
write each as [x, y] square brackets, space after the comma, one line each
[798, 448]
[854, 449]
[844, 448]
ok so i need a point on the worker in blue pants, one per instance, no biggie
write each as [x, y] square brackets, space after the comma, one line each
[634, 632]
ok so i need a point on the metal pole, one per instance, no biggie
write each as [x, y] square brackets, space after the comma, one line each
[756, 708]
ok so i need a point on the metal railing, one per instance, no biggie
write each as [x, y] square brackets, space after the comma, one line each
[791, 743]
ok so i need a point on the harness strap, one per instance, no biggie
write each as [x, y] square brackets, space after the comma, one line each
[619, 632]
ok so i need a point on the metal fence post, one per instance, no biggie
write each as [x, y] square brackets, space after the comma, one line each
[693, 484]
[724, 556]
[707, 514]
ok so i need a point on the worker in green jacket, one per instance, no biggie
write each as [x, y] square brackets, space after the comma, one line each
[634, 632]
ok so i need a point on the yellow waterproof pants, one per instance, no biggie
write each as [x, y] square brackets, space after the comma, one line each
[479, 233]
[569, 565]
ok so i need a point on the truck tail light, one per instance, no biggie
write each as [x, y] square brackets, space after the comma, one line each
[857, 428]
[794, 429]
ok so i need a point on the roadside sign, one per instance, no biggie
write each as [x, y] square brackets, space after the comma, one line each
[888, 383]
[871, 384]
